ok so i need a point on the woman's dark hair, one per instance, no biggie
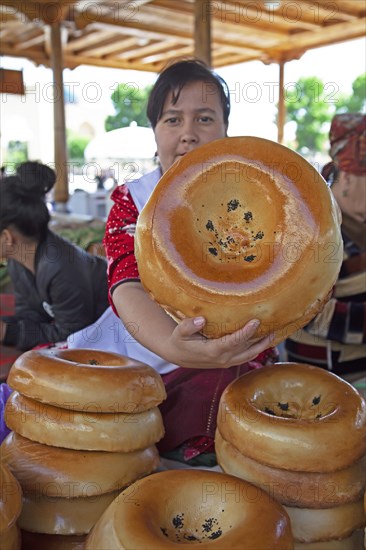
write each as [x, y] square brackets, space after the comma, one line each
[22, 199]
[174, 77]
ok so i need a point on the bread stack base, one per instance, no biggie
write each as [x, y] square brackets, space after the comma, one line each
[354, 542]
[299, 433]
[78, 440]
[10, 510]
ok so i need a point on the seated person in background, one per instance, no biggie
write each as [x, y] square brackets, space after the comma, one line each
[336, 338]
[58, 287]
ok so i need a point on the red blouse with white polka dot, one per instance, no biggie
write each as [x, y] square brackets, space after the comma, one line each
[119, 239]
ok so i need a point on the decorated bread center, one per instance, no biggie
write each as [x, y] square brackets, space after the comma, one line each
[233, 230]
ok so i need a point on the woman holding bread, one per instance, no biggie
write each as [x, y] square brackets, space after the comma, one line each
[189, 106]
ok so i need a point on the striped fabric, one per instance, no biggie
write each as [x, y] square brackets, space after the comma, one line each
[336, 338]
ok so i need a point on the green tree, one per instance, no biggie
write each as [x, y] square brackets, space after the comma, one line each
[311, 104]
[17, 152]
[130, 103]
[76, 145]
[311, 107]
[356, 102]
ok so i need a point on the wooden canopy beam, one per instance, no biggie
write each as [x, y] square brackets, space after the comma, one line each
[144, 34]
[281, 113]
[49, 11]
[61, 189]
[202, 30]
[335, 34]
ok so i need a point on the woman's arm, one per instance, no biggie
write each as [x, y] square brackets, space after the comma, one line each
[182, 344]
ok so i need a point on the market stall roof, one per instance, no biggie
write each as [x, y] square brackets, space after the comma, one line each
[146, 34]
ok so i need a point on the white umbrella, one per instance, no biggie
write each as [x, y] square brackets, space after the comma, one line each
[132, 142]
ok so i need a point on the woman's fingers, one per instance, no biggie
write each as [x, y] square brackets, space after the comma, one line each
[255, 349]
[191, 327]
[243, 335]
[232, 349]
[246, 344]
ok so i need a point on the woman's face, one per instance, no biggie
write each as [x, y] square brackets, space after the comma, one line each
[195, 119]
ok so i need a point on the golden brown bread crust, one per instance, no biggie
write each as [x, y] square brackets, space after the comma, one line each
[85, 430]
[295, 417]
[353, 542]
[233, 230]
[309, 525]
[85, 380]
[11, 539]
[300, 489]
[194, 506]
[63, 516]
[10, 499]
[58, 472]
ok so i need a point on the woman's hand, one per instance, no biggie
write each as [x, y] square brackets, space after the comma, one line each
[182, 344]
[201, 352]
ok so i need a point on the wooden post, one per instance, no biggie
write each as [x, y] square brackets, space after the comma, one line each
[61, 191]
[202, 30]
[281, 116]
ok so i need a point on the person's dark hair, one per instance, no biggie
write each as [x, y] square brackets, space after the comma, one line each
[330, 172]
[22, 199]
[174, 77]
